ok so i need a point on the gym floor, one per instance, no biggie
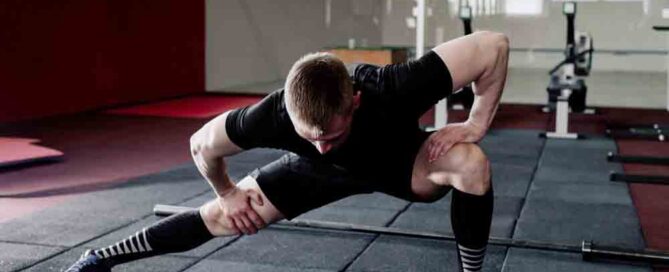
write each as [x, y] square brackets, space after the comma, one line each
[121, 165]
[106, 94]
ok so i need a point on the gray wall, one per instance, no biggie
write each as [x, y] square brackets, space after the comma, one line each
[252, 41]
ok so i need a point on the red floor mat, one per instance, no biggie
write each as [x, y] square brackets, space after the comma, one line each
[102, 150]
[189, 107]
[18, 151]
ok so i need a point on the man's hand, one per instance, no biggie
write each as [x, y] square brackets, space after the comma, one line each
[442, 140]
[236, 206]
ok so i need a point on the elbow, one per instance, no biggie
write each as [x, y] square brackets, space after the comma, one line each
[198, 143]
[502, 46]
[194, 146]
[493, 44]
[501, 42]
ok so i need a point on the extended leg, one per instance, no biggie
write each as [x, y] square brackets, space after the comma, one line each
[177, 233]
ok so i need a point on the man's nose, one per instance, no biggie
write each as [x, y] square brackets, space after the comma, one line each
[323, 147]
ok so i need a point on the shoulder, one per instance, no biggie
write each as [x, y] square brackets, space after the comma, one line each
[364, 76]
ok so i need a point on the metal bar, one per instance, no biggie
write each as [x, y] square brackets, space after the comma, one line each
[625, 134]
[587, 249]
[637, 159]
[638, 126]
[639, 178]
[592, 252]
[597, 51]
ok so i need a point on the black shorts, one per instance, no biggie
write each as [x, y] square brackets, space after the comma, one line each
[295, 184]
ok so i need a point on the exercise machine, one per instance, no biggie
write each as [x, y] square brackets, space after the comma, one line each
[567, 89]
[651, 132]
[664, 28]
[464, 99]
[612, 157]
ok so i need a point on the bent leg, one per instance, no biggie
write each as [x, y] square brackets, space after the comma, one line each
[218, 225]
[466, 169]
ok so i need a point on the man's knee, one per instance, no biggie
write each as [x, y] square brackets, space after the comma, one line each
[467, 169]
[217, 224]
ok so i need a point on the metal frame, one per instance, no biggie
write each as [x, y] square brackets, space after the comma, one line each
[562, 119]
[620, 177]
[637, 133]
[588, 250]
[637, 159]
[420, 12]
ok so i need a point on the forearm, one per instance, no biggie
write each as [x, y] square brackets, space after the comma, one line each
[488, 90]
[215, 172]
[209, 146]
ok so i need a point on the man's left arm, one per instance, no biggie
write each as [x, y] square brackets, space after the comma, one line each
[481, 58]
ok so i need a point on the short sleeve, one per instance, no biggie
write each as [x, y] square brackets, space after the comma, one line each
[257, 125]
[417, 84]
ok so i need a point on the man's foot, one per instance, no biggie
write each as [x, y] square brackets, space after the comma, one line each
[89, 262]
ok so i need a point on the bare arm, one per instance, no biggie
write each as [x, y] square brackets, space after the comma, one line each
[209, 145]
[481, 58]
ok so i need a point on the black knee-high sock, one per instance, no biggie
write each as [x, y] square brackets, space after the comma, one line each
[179, 232]
[471, 216]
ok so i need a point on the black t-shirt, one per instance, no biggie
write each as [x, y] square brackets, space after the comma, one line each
[385, 133]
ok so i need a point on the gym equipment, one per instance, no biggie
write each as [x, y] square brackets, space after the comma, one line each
[588, 250]
[652, 133]
[18, 153]
[421, 12]
[664, 28]
[637, 159]
[639, 126]
[614, 176]
[465, 97]
[567, 88]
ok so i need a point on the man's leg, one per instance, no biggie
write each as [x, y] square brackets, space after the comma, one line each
[466, 169]
[177, 233]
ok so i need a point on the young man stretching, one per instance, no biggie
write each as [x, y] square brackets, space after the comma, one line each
[348, 133]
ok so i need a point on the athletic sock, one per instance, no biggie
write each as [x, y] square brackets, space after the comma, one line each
[179, 232]
[471, 216]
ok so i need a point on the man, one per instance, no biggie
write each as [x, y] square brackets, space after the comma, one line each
[347, 134]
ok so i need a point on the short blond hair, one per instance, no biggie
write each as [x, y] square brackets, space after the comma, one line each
[317, 87]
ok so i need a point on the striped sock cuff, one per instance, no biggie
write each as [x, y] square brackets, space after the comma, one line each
[133, 244]
[471, 258]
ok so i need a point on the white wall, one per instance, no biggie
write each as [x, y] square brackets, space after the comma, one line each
[614, 25]
[252, 41]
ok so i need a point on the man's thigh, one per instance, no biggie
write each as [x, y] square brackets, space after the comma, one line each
[295, 185]
[423, 178]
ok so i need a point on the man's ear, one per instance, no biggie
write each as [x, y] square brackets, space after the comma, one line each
[356, 99]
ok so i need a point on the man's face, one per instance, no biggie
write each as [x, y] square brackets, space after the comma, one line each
[332, 136]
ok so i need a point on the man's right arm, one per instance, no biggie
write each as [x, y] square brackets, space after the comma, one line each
[208, 146]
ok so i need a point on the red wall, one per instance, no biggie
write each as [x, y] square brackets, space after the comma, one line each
[64, 56]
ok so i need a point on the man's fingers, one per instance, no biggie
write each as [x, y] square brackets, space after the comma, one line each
[445, 148]
[434, 152]
[250, 228]
[256, 219]
[238, 225]
[242, 226]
